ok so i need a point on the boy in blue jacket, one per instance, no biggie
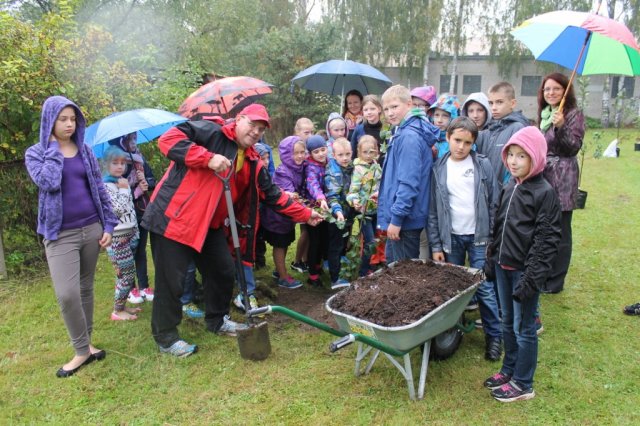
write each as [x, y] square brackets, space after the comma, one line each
[403, 204]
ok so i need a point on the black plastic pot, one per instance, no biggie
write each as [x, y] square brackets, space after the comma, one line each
[581, 200]
[637, 146]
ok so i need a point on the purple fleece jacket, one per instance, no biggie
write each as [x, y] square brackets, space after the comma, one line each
[289, 177]
[44, 163]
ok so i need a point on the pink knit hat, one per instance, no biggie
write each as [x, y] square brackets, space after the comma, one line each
[426, 93]
[532, 141]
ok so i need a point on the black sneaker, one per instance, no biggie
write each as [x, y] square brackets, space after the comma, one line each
[300, 267]
[511, 392]
[493, 349]
[497, 380]
[632, 309]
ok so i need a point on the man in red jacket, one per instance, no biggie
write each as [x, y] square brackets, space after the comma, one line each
[187, 214]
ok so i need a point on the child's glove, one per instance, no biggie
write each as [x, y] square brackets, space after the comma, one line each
[489, 269]
[523, 290]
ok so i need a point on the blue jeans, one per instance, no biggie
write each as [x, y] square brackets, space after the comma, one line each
[249, 278]
[188, 284]
[461, 245]
[367, 228]
[518, 330]
[407, 247]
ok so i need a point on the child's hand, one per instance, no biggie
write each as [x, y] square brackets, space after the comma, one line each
[340, 216]
[105, 241]
[356, 204]
[140, 175]
[374, 197]
[315, 218]
[123, 183]
[393, 232]
[144, 185]
[323, 205]
[438, 256]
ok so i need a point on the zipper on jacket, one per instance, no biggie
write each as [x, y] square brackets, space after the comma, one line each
[177, 213]
[506, 214]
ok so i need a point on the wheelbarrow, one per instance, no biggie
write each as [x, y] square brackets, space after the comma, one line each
[393, 342]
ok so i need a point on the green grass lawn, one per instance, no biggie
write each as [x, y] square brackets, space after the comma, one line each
[588, 370]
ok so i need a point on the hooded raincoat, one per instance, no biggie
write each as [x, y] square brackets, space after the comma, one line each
[45, 162]
[406, 174]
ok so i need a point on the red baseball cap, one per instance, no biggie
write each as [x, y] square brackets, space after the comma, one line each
[256, 112]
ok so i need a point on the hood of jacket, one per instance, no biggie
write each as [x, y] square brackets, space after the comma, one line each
[532, 141]
[286, 153]
[514, 117]
[481, 99]
[448, 103]
[50, 111]
[418, 121]
[335, 116]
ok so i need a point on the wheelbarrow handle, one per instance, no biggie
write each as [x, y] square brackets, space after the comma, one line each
[342, 342]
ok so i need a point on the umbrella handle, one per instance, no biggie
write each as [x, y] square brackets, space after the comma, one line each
[573, 73]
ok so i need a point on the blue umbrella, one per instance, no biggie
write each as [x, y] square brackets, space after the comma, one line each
[148, 123]
[337, 77]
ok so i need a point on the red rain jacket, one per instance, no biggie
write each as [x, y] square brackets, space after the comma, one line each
[189, 199]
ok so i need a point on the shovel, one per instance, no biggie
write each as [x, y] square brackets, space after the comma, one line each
[253, 341]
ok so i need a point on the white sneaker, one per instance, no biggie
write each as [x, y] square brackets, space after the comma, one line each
[135, 297]
[239, 302]
[147, 293]
[229, 327]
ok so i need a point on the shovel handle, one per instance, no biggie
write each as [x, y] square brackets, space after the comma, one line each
[259, 311]
[342, 342]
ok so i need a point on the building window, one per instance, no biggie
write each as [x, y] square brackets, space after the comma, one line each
[445, 80]
[530, 85]
[471, 84]
[627, 87]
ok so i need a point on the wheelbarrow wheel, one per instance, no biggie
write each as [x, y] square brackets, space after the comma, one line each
[446, 343]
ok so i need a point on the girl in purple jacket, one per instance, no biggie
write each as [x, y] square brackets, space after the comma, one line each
[278, 230]
[74, 217]
[314, 185]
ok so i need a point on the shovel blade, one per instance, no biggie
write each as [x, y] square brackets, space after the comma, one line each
[254, 343]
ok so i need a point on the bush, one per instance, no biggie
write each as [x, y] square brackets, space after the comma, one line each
[592, 123]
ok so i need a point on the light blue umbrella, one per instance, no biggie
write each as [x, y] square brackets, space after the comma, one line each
[148, 123]
[336, 77]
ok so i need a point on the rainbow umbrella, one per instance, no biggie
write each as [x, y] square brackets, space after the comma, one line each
[583, 42]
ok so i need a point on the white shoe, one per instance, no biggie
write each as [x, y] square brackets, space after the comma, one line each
[147, 293]
[135, 297]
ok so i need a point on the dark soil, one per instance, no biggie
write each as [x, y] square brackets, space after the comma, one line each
[403, 294]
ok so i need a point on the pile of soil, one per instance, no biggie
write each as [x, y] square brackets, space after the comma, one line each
[403, 294]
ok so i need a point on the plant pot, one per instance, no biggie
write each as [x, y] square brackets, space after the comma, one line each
[637, 146]
[581, 199]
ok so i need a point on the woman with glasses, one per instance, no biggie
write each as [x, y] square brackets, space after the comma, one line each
[563, 129]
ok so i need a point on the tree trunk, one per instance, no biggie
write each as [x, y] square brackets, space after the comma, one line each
[456, 48]
[425, 70]
[604, 117]
[619, 103]
[3, 265]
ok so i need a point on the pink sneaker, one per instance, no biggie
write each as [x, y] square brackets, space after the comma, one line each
[135, 297]
[147, 293]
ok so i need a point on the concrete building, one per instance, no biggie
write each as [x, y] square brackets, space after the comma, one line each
[477, 73]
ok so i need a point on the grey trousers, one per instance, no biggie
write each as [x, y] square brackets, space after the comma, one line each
[72, 260]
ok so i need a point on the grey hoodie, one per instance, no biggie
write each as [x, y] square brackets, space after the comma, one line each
[482, 99]
[491, 141]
